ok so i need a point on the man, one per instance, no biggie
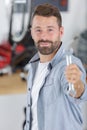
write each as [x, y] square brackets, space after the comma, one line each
[50, 104]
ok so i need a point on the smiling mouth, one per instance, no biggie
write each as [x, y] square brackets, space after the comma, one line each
[44, 44]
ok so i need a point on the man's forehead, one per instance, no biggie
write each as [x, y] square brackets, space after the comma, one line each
[44, 21]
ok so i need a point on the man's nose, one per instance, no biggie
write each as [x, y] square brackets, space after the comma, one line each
[44, 35]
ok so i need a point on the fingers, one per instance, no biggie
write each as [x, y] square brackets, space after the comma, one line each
[72, 73]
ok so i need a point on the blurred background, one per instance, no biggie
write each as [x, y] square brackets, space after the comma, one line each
[17, 48]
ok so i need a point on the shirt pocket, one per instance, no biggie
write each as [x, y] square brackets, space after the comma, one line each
[48, 92]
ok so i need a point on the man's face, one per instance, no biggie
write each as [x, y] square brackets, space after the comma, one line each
[46, 34]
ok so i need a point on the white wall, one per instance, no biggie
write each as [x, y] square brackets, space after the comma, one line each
[3, 21]
[12, 111]
[75, 20]
[84, 111]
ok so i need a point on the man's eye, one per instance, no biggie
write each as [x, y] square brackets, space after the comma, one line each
[38, 30]
[50, 30]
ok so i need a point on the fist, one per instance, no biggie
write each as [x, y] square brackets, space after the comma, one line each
[73, 73]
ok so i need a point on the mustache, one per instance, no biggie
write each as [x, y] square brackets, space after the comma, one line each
[44, 41]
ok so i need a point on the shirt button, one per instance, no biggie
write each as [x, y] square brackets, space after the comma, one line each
[28, 122]
[29, 89]
[29, 105]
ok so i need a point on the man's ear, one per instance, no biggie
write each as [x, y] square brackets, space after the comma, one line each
[31, 32]
[61, 31]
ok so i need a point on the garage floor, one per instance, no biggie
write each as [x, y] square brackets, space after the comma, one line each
[12, 84]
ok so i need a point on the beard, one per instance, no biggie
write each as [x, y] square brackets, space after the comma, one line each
[46, 50]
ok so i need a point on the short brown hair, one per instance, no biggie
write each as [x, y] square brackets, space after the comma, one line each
[48, 10]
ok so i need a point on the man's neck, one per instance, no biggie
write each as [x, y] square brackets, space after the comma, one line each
[46, 58]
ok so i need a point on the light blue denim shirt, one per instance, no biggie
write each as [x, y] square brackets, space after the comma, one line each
[56, 109]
